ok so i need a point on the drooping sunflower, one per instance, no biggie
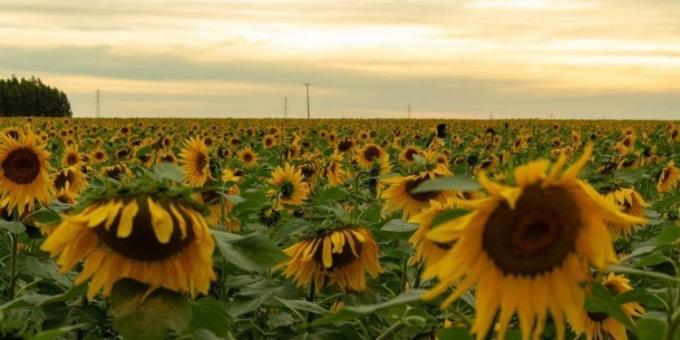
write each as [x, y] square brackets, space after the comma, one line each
[526, 248]
[629, 201]
[289, 187]
[69, 179]
[150, 238]
[248, 156]
[24, 178]
[369, 153]
[340, 257]
[335, 172]
[601, 326]
[195, 162]
[117, 172]
[669, 178]
[399, 194]
[428, 251]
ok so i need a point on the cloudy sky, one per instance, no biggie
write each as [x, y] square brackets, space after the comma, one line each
[240, 58]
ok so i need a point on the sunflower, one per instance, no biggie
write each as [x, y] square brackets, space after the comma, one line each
[345, 145]
[71, 156]
[195, 162]
[428, 251]
[408, 153]
[335, 173]
[629, 201]
[99, 156]
[601, 326]
[399, 194]
[669, 178]
[290, 189]
[149, 238]
[269, 141]
[24, 178]
[370, 153]
[339, 257]
[247, 156]
[526, 248]
[69, 179]
[117, 172]
[167, 157]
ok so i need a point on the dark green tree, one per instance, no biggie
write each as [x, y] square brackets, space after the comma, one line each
[30, 97]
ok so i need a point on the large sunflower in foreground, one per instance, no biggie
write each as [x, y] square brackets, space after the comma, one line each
[150, 238]
[399, 194]
[195, 162]
[527, 247]
[24, 178]
[602, 326]
[289, 187]
[339, 257]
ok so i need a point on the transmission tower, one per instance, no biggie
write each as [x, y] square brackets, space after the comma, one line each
[99, 103]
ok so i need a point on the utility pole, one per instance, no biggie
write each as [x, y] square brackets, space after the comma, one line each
[285, 107]
[99, 102]
[307, 86]
[409, 111]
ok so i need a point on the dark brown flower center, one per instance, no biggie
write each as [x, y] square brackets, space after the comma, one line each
[201, 161]
[72, 159]
[21, 166]
[248, 157]
[537, 235]
[371, 153]
[409, 154]
[345, 145]
[597, 316]
[142, 243]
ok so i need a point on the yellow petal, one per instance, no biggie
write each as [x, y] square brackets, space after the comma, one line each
[327, 257]
[126, 216]
[576, 168]
[160, 221]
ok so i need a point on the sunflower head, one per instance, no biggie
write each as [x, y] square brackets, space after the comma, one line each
[339, 257]
[603, 326]
[630, 202]
[370, 153]
[289, 186]
[149, 234]
[24, 167]
[195, 162]
[533, 238]
[247, 156]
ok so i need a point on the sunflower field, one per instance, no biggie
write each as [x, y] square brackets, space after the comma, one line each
[339, 229]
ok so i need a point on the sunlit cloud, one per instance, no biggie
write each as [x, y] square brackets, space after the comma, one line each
[363, 57]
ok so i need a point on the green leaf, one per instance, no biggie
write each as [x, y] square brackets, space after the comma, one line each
[668, 235]
[398, 225]
[447, 215]
[209, 314]
[236, 199]
[642, 296]
[601, 300]
[57, 332]
[629, 176]
[46, 216]
[144, 151]
[331, 195]
[651, 260]
[454, 333]
[13, 227]
[650, 328]
[137, 317]
[166, 170]
[353, 312]
[252, 252]
[302, 305]
[632, 271]
[33, 300]
[450, 183]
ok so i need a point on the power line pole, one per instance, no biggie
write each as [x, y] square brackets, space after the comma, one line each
[285, 107]
[99, 102]
[409, 111]
[307, 86]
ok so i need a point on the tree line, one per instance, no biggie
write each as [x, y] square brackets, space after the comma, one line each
[30, 97]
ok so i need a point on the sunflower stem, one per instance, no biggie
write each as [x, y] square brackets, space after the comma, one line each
[13, 266]
[310, 298]
[389, 331]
